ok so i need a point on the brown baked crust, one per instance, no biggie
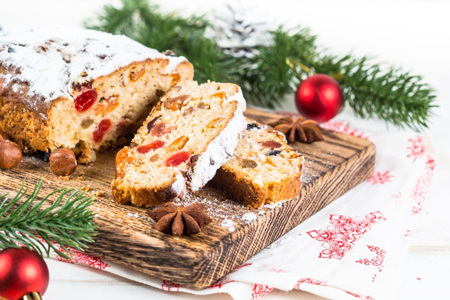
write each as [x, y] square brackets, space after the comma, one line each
[29, 120]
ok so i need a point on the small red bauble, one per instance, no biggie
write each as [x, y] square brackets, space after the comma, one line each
[319, 98]
[22, 272]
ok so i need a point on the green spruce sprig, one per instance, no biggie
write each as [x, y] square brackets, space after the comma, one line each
[26, 222]
[370, 90]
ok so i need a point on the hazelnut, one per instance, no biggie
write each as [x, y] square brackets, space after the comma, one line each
[63, 162]
[10, 155]
[4, 136]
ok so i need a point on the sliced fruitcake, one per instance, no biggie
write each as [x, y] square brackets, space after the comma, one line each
[191, 133]
[79, 89]
[263, 169]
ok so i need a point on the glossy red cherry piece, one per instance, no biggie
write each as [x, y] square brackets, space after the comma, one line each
[177, 159]
[102, 129]
[152, 146]
[84, 101]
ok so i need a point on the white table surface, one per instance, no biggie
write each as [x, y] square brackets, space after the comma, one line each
[411, 34]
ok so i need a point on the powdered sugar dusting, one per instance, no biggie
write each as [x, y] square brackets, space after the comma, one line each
[51, 59]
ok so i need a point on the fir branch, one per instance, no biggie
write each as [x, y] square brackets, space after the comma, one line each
[69, 224]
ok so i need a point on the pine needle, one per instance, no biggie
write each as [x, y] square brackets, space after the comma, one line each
[68, 222]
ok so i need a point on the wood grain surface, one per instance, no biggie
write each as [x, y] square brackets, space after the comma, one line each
[126, 235]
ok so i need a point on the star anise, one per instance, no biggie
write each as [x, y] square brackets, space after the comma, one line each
[180, 220]
[302, 130]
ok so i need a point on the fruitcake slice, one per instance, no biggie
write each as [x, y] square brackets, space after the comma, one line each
[79, 89]
[263, 169]
[191, 133]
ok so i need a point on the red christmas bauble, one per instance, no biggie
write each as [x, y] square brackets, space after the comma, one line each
[319, 98]
[22, 272]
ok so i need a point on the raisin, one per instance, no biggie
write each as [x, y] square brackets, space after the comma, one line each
[271, 144]
[152, 146]
[154, 158]
[103, 127]
[152, 123]
[84, 101]
[177, 159]
[86, 123]
[248, 163]
[160, 129]
[175, 103]
[251, 126]
[274, 152]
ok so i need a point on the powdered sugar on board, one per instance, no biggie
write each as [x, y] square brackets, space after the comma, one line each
[51, 59]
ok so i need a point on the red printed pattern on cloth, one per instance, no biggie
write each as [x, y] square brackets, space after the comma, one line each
[340, 236]
[381, 178]
[260, 290]
[82, 258]
[170, 286]
[416, 148]
[422, 185]
[310, 281]
[360, 297]
[377, 261]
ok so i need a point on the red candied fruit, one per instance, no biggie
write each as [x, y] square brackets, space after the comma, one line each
[85, 100]
[271, 144]
[152, 146]
[177, 159]
[102, 129]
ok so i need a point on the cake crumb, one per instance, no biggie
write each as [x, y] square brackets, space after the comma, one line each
[65, 178]
[229, 224]
[131, 215]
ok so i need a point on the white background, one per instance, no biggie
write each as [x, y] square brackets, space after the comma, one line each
[412, 34]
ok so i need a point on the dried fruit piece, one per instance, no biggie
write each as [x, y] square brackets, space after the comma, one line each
[203, 105]
[154, 158]
[136, 74]
[103, 127]
[10, 155]
[86, 123]
[251, 126]
[175, 103]
[160, 129]
[274, 152]
[271, 144]
[152, 123]
[220, 95]
[215, 123]
[152, 146]
[63, 162]
[178, 144]
[249, 163]
[85, 100]
[123, 158]
[177, 159]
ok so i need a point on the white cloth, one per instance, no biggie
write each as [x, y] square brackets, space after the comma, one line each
[355, 248]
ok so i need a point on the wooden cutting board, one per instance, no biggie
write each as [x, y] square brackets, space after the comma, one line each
[126, 235]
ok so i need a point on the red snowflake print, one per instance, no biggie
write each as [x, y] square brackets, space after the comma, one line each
[340, 236]
[82, 258]
[377, 261]
[416, 148]
[408, 233]
[220, 283]
[278, 271]
[360, 297]
[381, 178]
[170, 286]
[421, 187]
[310, 281]
[260, 290]
[242, 266]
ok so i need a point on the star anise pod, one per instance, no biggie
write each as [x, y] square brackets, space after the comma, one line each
[302, 130]
[180, 220]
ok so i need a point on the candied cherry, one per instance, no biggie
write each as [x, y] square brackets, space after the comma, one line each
[103, 127]
[149, 147]
[85, 100]
[271, 144]
[177, 159]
